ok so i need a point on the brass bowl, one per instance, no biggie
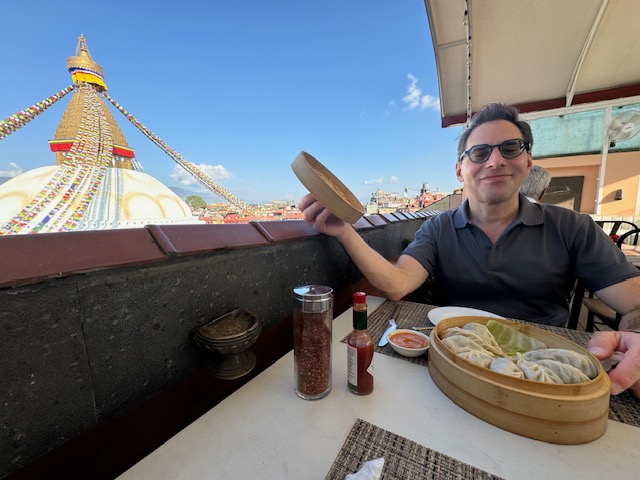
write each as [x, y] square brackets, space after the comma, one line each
[228, 339]
[230, 346]
[230, 326]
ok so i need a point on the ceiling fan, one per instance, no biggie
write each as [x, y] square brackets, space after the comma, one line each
[623, 127]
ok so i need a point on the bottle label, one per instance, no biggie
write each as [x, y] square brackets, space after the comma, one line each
[370, 368]
[352, 366]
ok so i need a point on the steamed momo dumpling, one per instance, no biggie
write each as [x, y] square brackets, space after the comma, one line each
[567, 373]
[489, 345]
[484, 333]
[482, 359]
[578, 360]
[506, 366]
[534, 371]
[460, 344]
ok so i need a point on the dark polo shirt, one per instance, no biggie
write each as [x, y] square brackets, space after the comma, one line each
[530, 272]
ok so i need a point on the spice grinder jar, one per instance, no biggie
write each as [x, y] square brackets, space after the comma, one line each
[312, 324]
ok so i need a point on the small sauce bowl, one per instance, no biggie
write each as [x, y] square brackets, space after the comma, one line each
[409, 342]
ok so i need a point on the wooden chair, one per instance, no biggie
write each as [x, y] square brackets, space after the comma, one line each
[575, 302]
[596, 308]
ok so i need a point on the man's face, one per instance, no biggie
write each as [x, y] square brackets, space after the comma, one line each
[498, 179]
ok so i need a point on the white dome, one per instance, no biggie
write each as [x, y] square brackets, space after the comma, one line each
[63, 198]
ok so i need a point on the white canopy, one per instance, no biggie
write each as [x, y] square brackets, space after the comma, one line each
[535, 54]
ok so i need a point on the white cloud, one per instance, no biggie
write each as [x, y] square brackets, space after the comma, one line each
[377, 181]
[14, 171]
[415, 99]
[432, 103]
[214, 172]
[381, 180]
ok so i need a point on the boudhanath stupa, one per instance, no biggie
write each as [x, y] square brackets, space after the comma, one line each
[96, 182]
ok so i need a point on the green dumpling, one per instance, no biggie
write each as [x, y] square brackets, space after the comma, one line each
[511, 341]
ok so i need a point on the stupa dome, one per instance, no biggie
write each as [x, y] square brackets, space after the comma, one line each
[117, 198]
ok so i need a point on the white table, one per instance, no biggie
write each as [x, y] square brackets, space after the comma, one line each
[632, 252]
[264, 430]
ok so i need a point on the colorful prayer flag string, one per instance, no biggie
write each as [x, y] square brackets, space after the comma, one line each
[18, 120]
[180, 160]
[65, 198]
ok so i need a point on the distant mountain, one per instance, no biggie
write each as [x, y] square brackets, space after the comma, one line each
[4, 179]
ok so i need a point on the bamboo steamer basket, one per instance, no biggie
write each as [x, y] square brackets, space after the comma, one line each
[560, 414]
[327, 188]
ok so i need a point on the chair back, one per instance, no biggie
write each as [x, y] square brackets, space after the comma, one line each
[632, 235]
[614, 225]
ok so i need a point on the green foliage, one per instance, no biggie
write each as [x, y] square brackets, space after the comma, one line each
[195, 201]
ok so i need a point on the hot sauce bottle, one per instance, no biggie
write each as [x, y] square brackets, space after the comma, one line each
[360, 349]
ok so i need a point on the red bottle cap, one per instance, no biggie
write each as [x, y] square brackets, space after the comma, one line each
[359, 297]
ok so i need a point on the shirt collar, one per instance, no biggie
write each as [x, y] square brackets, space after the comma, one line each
[529, 214]
[461, 216]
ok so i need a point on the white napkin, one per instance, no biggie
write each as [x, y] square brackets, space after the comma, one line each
[369, 471]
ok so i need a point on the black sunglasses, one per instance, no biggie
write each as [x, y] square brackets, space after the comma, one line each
[508, 149]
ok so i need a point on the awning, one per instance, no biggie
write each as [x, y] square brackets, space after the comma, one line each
[535, 54]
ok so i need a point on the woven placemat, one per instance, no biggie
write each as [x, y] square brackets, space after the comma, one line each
[411, 315]
[402, 457]
[623, 408]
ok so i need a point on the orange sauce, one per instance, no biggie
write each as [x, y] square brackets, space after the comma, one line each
[408, 340]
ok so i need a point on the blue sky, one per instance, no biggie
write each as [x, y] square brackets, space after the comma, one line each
[240, 88]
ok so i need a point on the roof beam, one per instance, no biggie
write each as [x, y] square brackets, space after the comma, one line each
[584, 107]
[571, 89]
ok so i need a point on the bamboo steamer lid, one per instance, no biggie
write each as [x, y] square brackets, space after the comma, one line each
[327, 189]
[561, 414]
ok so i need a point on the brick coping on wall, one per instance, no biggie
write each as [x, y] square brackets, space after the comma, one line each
[36, 258]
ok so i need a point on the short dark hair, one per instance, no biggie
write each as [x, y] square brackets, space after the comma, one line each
[490, 113]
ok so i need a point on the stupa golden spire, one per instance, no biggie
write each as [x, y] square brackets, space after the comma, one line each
[87, 132]
[82, 67]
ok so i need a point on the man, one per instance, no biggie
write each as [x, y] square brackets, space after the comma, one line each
[535, 184]
[500, 252]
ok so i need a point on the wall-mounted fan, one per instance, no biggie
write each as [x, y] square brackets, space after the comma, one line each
[623, 127]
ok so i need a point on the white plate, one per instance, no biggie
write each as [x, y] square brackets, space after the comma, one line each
[440, 313]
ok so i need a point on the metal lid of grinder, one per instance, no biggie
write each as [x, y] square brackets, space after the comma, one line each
[313, 298]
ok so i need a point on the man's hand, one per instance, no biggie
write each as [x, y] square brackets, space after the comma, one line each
[320, 218]
[625, 375]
